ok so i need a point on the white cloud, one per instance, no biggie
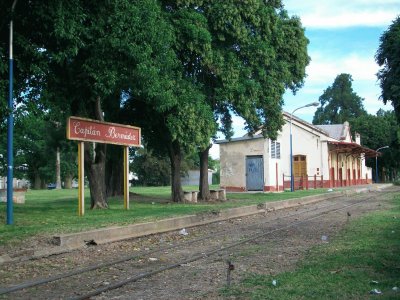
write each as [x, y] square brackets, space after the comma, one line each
[344, 13]
[348, 19]
[325, 69]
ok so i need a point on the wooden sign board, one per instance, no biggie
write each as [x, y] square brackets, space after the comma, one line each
[87, 130]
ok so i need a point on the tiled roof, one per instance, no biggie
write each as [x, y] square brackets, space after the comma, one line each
[335, 131]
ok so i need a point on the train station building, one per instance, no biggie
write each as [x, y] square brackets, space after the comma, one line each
[323, 156]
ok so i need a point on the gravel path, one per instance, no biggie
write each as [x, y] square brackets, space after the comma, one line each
[274, 251]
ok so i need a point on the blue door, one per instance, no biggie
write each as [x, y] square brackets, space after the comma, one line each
[254, 173]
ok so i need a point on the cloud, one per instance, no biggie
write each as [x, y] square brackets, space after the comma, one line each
[325, 69]
[344, 13]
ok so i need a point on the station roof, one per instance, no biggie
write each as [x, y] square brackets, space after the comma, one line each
[352, 149]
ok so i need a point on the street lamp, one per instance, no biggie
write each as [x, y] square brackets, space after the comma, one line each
[291, 147]
[10, 128]
[376, 163]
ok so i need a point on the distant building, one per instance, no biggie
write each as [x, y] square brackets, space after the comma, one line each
[17, 183]
[193, 177]
[323, 156]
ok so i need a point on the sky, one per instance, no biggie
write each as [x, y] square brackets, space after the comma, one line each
[344, 37]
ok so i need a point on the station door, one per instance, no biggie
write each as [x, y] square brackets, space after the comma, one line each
[299, 165]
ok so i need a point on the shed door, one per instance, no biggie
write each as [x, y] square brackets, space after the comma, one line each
[254, 173]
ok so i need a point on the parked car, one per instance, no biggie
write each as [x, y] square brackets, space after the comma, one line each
[51, 186]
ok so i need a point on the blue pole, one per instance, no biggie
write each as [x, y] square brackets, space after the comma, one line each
[10, 130]
[291, 165]
[10, 158]
[291, 148]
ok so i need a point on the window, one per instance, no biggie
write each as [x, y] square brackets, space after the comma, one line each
[275, 150]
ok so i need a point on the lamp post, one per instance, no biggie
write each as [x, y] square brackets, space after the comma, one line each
[291, 143]
[376, 163]
[10, 128]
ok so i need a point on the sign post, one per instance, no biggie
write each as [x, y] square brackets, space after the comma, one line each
[81, 179]
[86, 130]
[126, 177]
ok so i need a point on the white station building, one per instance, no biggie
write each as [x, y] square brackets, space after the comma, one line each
[323, 156]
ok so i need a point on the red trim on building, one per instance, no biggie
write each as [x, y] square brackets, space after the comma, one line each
[272, 188]
[234, 188]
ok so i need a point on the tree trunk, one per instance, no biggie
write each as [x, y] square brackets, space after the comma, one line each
[42, 184]
[115, 171]
[175, 156]
[204, 188]
[37, 184]
[68, 181]
[58, 170]
[95, 168]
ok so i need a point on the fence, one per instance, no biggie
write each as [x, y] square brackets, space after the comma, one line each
[304, 182]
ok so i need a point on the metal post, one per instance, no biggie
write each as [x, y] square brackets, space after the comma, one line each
[291, 159]
[10, 129]
[291, 143]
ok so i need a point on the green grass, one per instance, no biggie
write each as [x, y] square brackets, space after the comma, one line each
[367, 250]
[46, 212]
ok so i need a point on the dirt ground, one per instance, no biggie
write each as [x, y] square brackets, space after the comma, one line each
[274, 252]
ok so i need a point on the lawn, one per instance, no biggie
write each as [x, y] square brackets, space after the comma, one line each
[47, 212]
[364, 257]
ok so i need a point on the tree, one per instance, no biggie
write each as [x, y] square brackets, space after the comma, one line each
[377, 131]
[244, 55]
[339, 103]
[150, 169]
[173, 127]
[388, 58]
[89, 54]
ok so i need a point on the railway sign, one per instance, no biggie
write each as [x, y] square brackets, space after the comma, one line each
[87, 130]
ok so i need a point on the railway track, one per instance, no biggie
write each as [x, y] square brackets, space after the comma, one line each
[93, 280]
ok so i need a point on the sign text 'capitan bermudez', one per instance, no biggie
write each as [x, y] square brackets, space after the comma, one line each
[95, 131]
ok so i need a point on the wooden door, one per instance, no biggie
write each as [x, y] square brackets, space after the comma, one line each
[299, 165]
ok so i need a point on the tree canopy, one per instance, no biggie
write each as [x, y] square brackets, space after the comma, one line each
[244, 55]
[174, 68]
[388, 58]
[378, 131]
[339, 103]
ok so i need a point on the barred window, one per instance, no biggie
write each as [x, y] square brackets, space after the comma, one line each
[275, 150]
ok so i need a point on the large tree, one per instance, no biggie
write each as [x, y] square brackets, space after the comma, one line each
[339, 102]
[92, 56]
[173, 127]
[244, 55]
[388, 58]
